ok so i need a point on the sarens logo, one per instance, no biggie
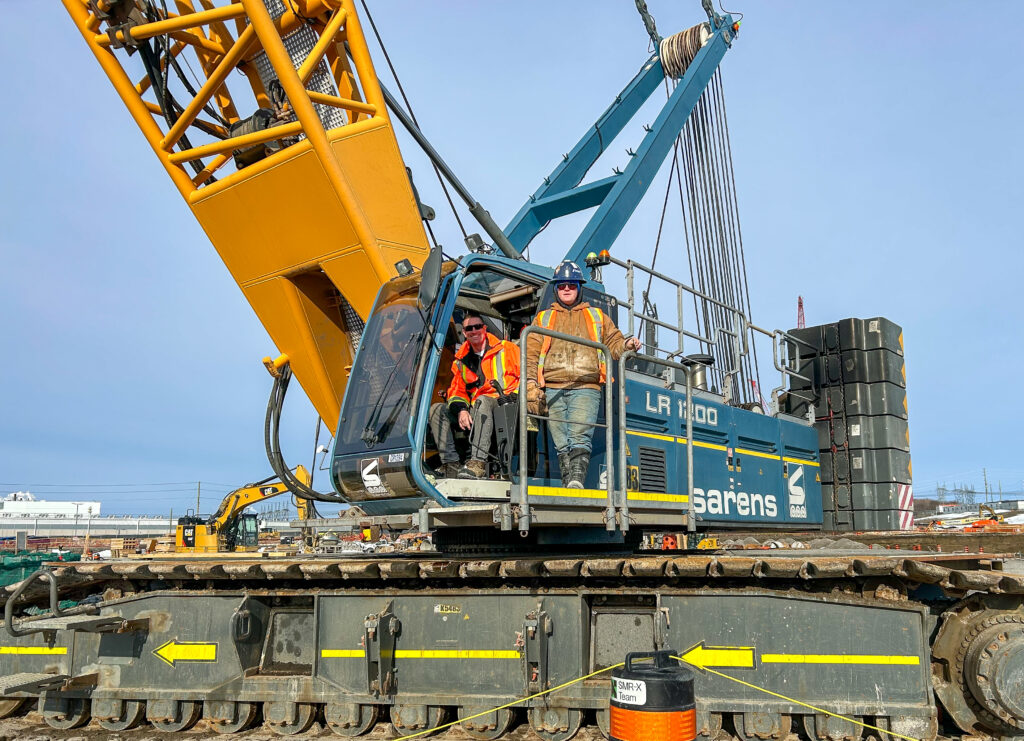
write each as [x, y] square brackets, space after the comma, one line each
[797, 498]
[715, 502]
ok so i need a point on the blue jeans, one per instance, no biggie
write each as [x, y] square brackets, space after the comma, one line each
[578, 406]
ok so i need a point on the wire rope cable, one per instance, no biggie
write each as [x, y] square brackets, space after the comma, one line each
[412, 115]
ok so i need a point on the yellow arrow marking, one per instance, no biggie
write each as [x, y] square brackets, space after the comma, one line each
[736, 657]
[840, 659]
[174, 651]
[33, 650]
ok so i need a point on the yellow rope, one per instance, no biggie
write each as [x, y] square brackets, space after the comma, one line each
[677, 658]
[797, 702]
[516, 702]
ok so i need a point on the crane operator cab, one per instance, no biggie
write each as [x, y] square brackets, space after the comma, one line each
[742, 467]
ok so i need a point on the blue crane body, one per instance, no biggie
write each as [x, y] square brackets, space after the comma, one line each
[749, 470]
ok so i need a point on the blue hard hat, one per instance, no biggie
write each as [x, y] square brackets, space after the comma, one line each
[568, 272]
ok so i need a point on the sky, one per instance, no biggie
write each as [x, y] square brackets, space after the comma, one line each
[878, 168]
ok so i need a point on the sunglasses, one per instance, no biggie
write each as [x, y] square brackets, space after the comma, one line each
[567, 286]
[471, 327]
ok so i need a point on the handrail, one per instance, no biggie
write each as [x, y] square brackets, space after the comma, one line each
[779, 338]
[522, 489]
[734, 317]
[688, 369]
[45, 574]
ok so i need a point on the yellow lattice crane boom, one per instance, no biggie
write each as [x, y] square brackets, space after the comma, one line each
[291, 168]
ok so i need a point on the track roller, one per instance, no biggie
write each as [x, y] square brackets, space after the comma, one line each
[289, 718]
[113, 714]
[173, 716]
[64, 713]
[11, 706]
[406, 719]
[230, 717]
[487, 727]
[753, 726]
[709, 726]
[820, 726]
[351, 719]
[555, 724]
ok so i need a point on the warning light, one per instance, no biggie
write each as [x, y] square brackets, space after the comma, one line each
[736, 27]
[604, 257]
[591, 259]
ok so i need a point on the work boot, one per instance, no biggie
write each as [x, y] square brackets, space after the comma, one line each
[563, 467]
[450, 470]
[579, 461]
[473, 469]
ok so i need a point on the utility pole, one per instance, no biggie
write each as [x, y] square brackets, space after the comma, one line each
[199, 486]
[984, 475]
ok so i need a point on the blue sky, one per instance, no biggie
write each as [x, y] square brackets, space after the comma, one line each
[877, 157]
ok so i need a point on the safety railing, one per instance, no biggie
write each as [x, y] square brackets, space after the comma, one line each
[45, 575]
[736, 337]
[688, 368]
[729, 334]
[786, 359]
[521, 491]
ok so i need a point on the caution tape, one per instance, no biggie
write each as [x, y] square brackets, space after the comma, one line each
[801, 704]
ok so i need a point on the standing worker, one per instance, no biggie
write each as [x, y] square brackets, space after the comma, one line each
[569, 376]
[482, 358]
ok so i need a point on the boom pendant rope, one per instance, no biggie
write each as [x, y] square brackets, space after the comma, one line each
[702, 172]
[711, 228]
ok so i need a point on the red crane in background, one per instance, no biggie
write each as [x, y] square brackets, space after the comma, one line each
[801, 320]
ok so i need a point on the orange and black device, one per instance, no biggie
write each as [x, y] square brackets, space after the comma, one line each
[652, 699]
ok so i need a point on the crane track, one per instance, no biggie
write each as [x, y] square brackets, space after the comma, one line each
[955, 574]
[872, 579]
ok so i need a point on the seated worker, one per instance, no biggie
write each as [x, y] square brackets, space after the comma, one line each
[569, 376]
[471, 397]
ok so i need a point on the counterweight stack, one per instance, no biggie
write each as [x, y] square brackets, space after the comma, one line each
[860, 412]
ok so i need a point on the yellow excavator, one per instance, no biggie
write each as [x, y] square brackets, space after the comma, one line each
[230, 529]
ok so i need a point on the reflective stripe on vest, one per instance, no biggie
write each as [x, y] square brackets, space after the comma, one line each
[595, 328]
[490, 368]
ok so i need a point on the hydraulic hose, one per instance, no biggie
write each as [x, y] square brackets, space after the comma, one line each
[271, 439]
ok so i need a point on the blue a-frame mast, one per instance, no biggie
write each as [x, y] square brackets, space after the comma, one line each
[617, 196]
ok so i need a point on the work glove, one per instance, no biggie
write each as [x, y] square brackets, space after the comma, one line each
[536, 403]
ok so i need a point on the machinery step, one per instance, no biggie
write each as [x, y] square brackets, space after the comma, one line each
[84, 623]
[29, 682]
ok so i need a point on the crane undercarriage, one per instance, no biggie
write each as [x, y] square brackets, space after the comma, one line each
[917, 645]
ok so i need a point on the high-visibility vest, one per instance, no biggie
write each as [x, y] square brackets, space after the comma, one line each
[595, 328]
[500, 362]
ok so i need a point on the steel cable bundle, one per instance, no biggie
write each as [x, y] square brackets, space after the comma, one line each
[702, 171]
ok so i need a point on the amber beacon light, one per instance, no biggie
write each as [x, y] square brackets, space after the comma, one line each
[652, 699]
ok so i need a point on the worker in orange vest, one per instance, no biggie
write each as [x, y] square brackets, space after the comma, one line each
[569, 376]
[472, 398]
